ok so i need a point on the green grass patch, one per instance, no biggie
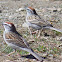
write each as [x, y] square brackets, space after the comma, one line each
[7, 50]
[57, 33]
[56, 50]
[42, 49]
[22, 52]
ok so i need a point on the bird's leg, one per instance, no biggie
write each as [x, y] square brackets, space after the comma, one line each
[30, 31]
[35, 32]
[42, 31]
[18, 54]
[9, 53]
[38, 33]
[12, 52]
[5, 49]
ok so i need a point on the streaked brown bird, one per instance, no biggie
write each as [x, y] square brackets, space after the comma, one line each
[36, 22]
[14, 40]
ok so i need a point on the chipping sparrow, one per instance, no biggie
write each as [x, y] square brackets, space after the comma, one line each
[35, 21]
[16, 41]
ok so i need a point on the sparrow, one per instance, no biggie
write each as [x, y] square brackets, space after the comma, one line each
[36, 22]
[14, 40]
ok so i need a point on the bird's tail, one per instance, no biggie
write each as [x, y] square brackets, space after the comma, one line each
[52, 28]
[34, 54]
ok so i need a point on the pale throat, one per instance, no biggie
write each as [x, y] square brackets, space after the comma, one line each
[7, 30]
[29, 13]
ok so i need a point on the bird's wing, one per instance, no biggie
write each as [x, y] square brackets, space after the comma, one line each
[36, 19]
[16, 39]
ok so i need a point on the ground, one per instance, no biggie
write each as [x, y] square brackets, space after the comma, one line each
[50, 46]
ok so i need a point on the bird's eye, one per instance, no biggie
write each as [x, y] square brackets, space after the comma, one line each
[27, 9]
[4, 24]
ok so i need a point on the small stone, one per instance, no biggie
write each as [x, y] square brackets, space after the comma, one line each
[54, 10]
[59, 9]
[7, 60]
[20, 9]
[24, 25]
[50, 55]
[0, 11]
[45, 54]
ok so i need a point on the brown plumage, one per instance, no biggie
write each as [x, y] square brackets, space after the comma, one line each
[31, 8]
[14, 40]
[36, 22]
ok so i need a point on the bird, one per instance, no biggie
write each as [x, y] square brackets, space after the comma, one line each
[37, 22]
[14, 40]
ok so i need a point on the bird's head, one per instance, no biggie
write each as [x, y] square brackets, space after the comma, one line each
[31, 11]
[8, 26]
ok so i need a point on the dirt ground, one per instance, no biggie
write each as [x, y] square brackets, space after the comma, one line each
[51, 46]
